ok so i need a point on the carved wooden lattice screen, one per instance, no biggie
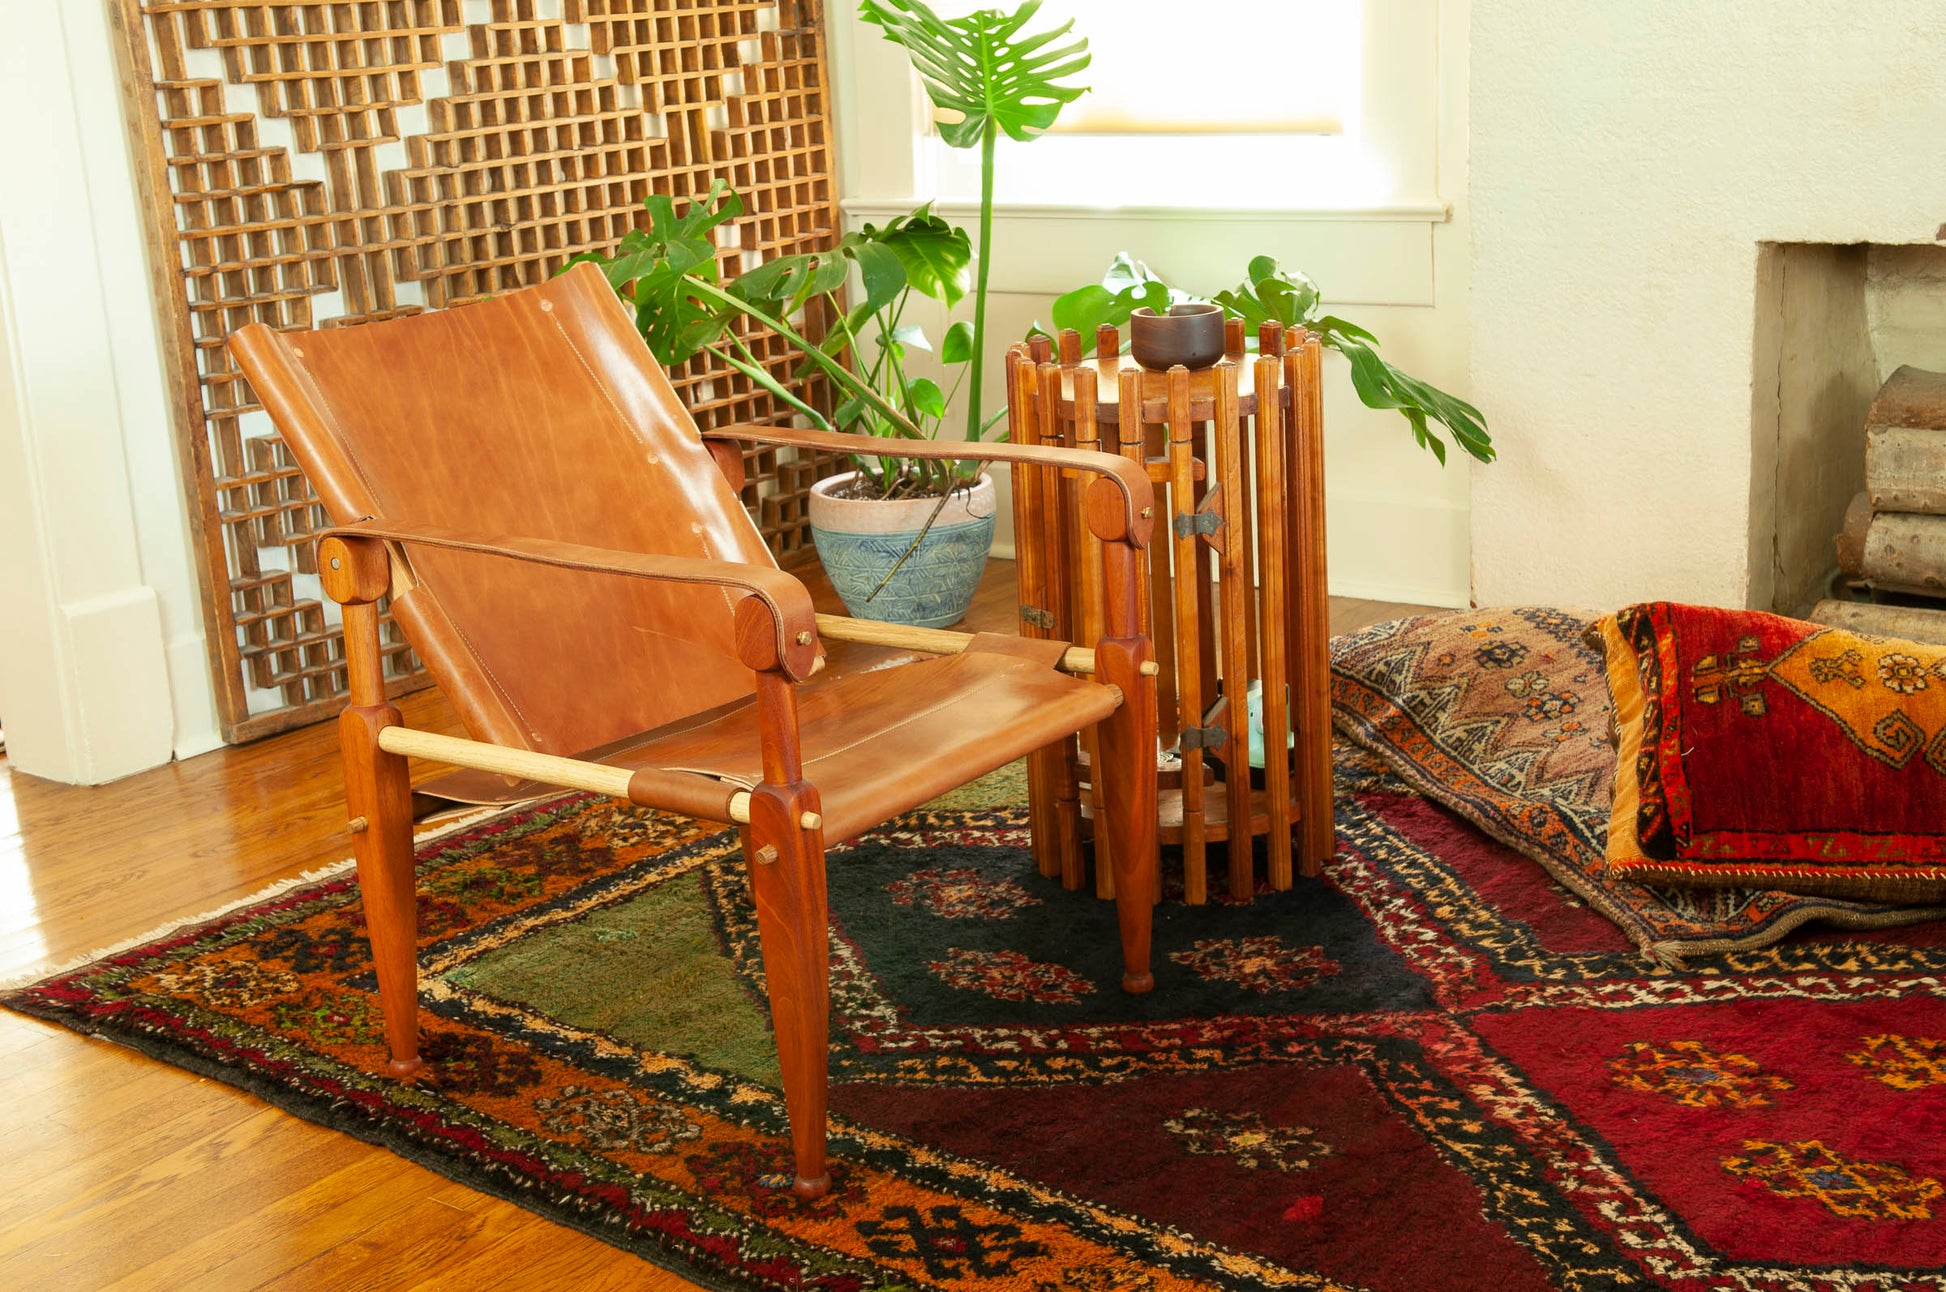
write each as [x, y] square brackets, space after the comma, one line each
[329, 162]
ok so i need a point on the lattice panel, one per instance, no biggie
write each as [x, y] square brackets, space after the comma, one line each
[333, 163]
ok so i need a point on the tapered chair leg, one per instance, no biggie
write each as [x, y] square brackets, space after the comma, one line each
[787, 879]
[378, 791]
[1126, 741]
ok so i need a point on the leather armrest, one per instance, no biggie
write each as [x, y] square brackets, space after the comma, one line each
[786, 598]
[1138, 495]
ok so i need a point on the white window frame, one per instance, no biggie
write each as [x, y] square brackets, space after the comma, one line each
[1384, 165]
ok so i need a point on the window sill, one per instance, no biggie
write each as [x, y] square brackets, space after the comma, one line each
[1403, 212]
[1373, 255]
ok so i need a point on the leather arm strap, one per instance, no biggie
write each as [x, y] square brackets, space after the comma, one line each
[786, 599]
[1138, 495]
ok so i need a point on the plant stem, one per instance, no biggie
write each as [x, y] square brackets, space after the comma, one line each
[988, 138]
[761, 375]
[889, 370]
[889, 356]
[844, 378]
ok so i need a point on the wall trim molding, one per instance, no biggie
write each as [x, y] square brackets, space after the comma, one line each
[1426, 212]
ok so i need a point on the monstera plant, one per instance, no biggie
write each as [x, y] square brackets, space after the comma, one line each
[986, 77]
[1270, 293]
[902, 540]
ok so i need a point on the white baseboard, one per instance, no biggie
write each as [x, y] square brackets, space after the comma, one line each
[1405, 594]
[196, 729]
[120, 702]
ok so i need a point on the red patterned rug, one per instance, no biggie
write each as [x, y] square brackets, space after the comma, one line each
[1434, 1069]
[1504, 716]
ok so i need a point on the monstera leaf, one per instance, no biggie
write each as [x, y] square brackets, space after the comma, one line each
[980, 69]
[987, 78]
[1127, 286]
[1269, 293]
[937, 256]
[656, 268]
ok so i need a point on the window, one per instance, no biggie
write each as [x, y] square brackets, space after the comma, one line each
[1229, 71]
[1234, 104]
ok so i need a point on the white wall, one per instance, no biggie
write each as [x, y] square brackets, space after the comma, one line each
[1398, 521]
[101, 648]
[1626, 160]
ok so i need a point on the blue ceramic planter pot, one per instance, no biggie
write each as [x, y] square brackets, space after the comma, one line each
[859, 540]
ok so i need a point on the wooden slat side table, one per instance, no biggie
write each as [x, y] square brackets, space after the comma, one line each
[1236, 584]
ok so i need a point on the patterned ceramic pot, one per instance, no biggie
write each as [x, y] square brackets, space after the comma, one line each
[859, 539]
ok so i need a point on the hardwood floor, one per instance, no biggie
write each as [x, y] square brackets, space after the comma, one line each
[121, 1172]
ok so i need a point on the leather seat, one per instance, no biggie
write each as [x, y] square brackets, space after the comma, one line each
[875, 743]
[880, 743]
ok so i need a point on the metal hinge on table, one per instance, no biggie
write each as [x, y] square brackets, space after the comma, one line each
[1036, 616]
[1201, 521]
[1204, 737]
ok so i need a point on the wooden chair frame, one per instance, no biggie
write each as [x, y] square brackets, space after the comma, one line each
[779, 819]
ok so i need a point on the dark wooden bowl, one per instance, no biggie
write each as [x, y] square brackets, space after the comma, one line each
[1190, 335]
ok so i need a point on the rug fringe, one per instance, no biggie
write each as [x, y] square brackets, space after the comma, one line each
[1669, 955]
[45, 970]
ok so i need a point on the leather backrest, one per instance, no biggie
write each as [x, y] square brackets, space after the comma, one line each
[538, 414]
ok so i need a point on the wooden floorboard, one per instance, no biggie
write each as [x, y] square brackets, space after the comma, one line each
[122, 1172]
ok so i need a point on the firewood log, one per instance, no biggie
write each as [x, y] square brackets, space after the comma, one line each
[1907, 622]
[1906, 552]
[1905, 443]
[1851, 540]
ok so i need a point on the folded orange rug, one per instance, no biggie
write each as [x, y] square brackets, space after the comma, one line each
[1761, 750]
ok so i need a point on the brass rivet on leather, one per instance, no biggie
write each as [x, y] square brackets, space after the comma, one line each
[804, 638]
[336, 563]
[357, 825]
[1147, 512]
[767, 855]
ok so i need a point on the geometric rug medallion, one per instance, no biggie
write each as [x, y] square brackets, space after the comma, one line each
[1436, 1068]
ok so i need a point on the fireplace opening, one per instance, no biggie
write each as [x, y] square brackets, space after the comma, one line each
[1835, 325]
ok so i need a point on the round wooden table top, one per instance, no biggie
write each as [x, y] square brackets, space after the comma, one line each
[1155, 389]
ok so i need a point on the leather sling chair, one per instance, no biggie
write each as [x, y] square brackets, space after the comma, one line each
[569, 557]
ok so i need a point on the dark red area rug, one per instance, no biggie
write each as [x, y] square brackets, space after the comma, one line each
[1434, 1069]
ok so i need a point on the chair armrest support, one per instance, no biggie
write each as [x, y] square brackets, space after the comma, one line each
[793, 644]
[1131, 522]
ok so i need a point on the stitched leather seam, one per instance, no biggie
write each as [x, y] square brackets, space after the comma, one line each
[526, 727]
[337, 426]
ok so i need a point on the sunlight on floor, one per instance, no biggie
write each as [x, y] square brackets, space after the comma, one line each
[23, 946]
